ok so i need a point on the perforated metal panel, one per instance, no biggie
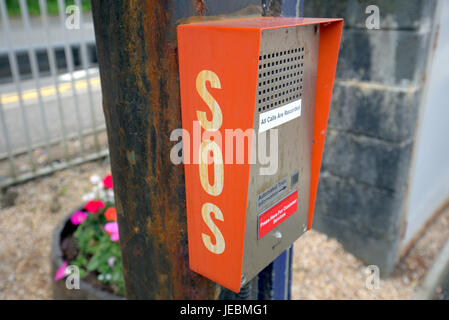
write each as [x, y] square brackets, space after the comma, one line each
[288, 62]
[280, 77]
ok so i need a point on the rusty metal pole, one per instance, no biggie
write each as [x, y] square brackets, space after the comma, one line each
[137, 53]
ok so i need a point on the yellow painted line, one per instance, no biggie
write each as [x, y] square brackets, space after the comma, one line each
[48, 91]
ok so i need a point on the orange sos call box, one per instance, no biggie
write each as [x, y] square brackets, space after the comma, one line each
[255, 96]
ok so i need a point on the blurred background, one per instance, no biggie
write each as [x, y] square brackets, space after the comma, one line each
[382, 217]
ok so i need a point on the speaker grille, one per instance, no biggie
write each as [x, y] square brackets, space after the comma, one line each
[280, 78]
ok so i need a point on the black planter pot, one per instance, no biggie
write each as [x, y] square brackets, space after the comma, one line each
[60, 291]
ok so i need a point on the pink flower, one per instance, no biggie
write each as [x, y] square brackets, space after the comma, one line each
[94, 206]
[60, 273]
[78, 217]
[111, 229]
[111, 261]
[115, 237]
[107, 182]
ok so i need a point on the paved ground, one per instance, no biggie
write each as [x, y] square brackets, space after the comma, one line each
[322, 269]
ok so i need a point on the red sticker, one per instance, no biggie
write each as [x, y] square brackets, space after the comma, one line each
[278, 213]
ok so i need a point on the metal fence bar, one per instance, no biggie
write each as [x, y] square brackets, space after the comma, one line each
[70, 66]
[54, 73]
[16, 79]
[48, 170]
[12, 154]
[85, 63]
[7, 142]
[35, 72]
[85, 133]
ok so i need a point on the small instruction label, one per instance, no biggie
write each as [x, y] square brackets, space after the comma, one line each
[278, 116]
[273, 192]
[277, 214]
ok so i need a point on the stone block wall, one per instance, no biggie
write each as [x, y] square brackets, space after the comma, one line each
[377, 94]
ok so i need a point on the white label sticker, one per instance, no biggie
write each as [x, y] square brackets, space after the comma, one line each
[278, 116]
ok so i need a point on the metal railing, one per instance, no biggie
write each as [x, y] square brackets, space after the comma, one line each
[50, 100]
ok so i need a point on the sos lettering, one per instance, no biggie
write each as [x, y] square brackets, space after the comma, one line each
[206, 148]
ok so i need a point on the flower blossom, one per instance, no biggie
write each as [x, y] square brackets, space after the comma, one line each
[60, 273]
[111, 261]
[78, 217]
[94, 206]
[107, 182]
[95, 179]
[110, 214]
[111, 229]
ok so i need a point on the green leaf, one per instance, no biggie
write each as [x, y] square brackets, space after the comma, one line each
[93, 263]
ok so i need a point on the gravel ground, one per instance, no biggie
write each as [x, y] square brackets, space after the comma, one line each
[322, 268]
[340, 275]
